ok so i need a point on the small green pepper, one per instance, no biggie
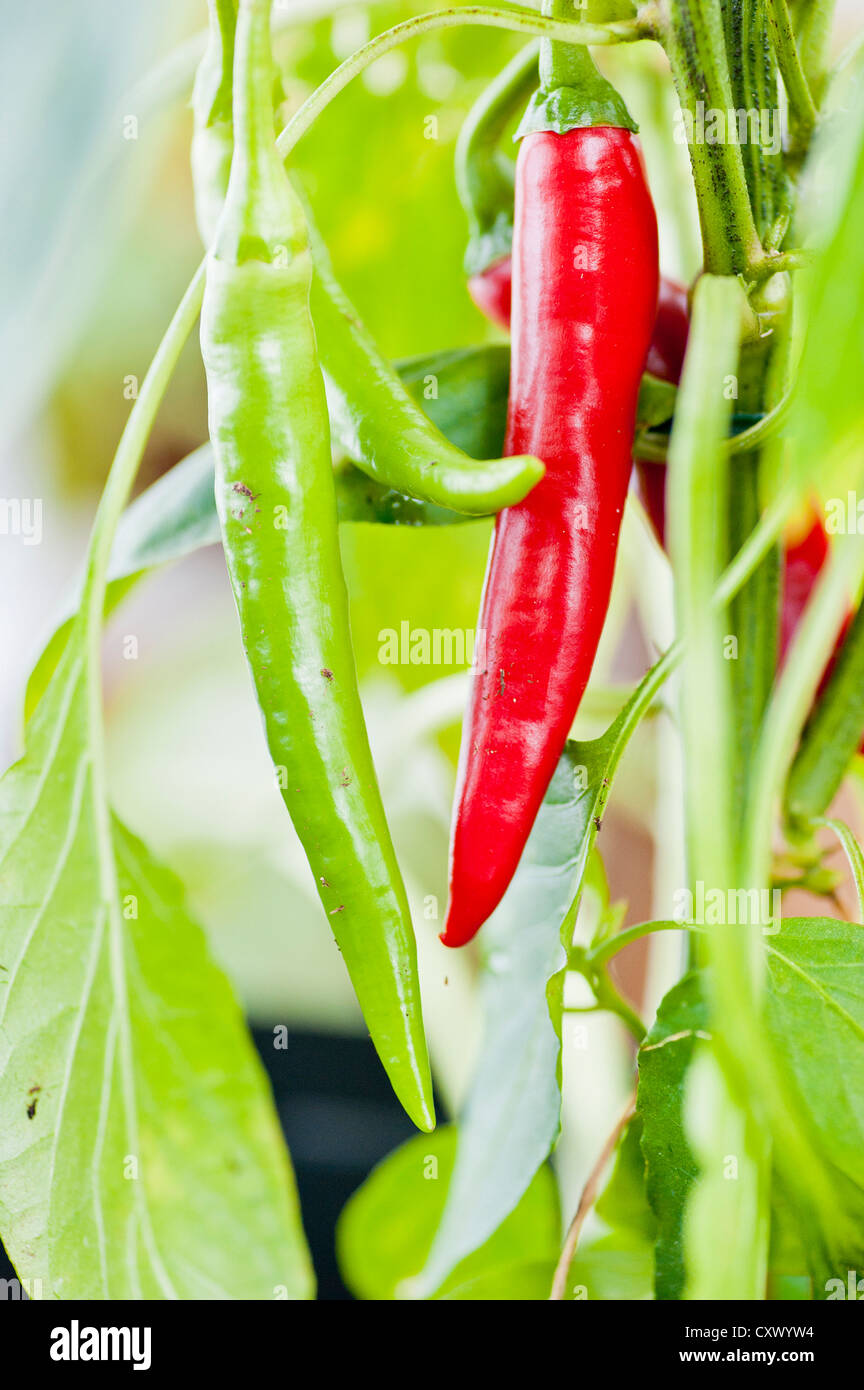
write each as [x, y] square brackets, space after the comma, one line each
[277, 507]
[384, 431]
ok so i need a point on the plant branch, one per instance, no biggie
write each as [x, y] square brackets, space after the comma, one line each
[516, 19]
[691, 31]
[802, 107]
[587, 1200]
[130, 450]
[609, 948]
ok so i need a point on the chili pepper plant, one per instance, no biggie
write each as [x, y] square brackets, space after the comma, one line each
[658, 426]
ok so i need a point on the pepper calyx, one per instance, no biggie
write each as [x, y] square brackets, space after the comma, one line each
[566, 108]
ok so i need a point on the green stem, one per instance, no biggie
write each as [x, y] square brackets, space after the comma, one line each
[562, 64]
[114, 498]
[516, 19]
[756, 435]
[128, 457]
[755, 548]
[812, 22]
[612, 1001]
[782, 261]
[793, 697]
[755, 612]
[692, 34]
[653, 448]
[852, 850]
[698, 486]
[607, 949]
[802, 107]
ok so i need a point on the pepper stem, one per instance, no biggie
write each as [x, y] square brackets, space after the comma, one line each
[573, 94]
[262, 219]
[564, 64]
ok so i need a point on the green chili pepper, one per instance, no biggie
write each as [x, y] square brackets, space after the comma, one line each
[384, 431]
[374, 418]
[277, 507]
[485, 177]
[213, 135]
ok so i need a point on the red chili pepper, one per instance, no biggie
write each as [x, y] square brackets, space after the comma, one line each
[584, 302]
[803, 561]
[491, 290]
[665, 359]
[671, 326]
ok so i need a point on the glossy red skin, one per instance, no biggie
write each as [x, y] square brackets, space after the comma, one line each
[491, 292]
[580, 340]
[671, 327]
[802, 564]
[665, 359]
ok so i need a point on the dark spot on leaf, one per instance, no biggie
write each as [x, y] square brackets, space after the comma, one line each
[31, 1108]
[327, 673]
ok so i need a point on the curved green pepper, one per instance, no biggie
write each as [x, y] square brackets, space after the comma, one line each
[485, 177]
[384, 431]
[277, 507]
[374, 418]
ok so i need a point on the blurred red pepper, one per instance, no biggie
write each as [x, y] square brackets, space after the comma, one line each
[804, 558]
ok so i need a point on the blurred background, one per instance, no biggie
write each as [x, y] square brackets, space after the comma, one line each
[96, 216]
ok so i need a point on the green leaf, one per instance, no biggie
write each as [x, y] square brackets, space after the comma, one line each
[512, 1115]
[827, 421]
[656, 401]
[386, 1229]
[613, 1269]
[623, 1204]
[619, 1265]
[140, 1154]
[526, 1281]
[670, 1168]
[815, 1014]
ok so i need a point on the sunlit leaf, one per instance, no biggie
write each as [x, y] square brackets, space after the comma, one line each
[511, 1118]
[386, 1229]
[140, 1153]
